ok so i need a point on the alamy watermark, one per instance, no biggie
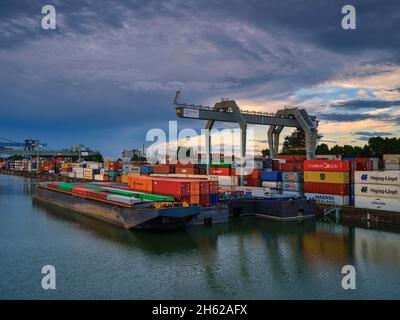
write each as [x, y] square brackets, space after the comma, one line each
[190, 147]
[49, 280]
[49, 21]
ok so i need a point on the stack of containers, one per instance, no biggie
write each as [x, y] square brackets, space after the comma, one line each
[192, 191]
[273, 181]
[251, 177]
[293, 184]
[77, 169]
[146, 170]
[188, 168]
[391, 161]
[291, 163]
[113, 169]
[327, 181]
[163, 168]
[358, 164]
[66, 169]
[377, 190]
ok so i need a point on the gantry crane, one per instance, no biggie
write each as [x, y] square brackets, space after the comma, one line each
[229, 111]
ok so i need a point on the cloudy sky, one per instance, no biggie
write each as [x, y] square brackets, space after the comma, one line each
[110, 70]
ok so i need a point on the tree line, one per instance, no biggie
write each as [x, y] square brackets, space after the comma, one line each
[375, 147]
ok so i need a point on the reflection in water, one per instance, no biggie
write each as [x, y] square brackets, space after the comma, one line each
[245, 258]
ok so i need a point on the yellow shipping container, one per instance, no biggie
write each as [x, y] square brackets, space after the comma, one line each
[88, 176]
[124, 179]
[326, 177]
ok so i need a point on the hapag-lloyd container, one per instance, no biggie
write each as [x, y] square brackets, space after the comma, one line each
[377, 177]
[326, 177]
[292, 176]
[386, 204]
[377, 190]
[329, 199]
[327, 188]
[327, 165]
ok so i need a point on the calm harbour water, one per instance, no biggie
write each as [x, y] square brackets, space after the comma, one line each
[248, 258]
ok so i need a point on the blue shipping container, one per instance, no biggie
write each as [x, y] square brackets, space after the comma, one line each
[271, 175]
[213, 198]
[146, 169]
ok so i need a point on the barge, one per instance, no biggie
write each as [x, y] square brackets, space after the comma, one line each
[280, 208]
[145, 215]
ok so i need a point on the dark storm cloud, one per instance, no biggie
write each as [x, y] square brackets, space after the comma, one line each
[352, 117]
[364, 104]
[115, 65]
[372, 133]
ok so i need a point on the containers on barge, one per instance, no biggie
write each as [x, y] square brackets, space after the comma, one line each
[137, 216]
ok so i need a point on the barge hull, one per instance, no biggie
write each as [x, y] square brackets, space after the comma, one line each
[138, 217]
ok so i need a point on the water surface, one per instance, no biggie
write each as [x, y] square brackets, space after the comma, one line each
[248, 258]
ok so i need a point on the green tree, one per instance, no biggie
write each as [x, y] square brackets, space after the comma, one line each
[295, 143]
[322, 149]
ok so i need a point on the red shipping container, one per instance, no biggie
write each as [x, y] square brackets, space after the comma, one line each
[80, 191]
[292, 158]
[327, 165]
[205, 200]
[97, 194]
[214, 171]
[362, 164]
[251, 182]
[275, 165]
[327, 188]
[291, 167]
[214, 187]
[177, 188]
[163, 168]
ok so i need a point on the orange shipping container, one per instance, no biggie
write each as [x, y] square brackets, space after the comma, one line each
[186, 170]
[140, 183]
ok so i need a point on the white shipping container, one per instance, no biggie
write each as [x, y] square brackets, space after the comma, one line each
[392, 166]
[93, 165]
[391, 158]
[292, 194]
[227, 181]
[330, 199]
[99, 177]
[375, 163]
[377, 177]
[377, 190]
[123, 199]
[77, 170]
[272, 184]
[254, 191]
[386, 204]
